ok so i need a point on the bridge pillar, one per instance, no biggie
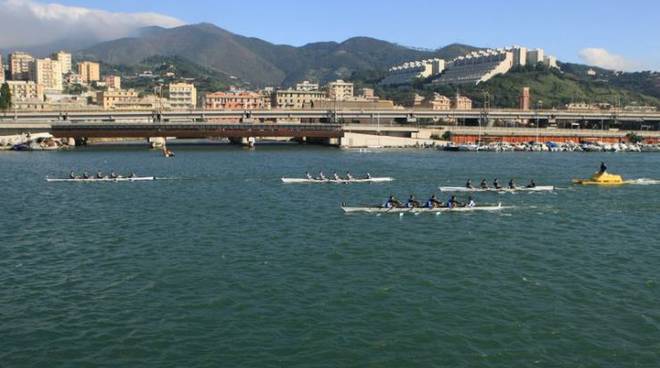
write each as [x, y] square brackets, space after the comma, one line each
[157, 142]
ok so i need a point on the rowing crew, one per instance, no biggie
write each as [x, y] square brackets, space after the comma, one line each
[432, 202]
[334, 176]
[497, 185]
[99, 175]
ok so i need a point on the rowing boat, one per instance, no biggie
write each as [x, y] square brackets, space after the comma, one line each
[340, 181]
[547, 188]
[403, 210]
[95, 180]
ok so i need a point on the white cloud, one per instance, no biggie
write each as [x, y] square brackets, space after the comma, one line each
[28, 23]
[605, 59]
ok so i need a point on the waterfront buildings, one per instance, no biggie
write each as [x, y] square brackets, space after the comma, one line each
[307, 86]
[112, 81]
[340, 90]
[238, 100]
[48, 73]
[408, 72]
[64, 58]
[20, 64]
[111, 97]
[296, 99]
[89, 71]
[182, 96]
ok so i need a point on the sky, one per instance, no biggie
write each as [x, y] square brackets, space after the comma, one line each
[607, 33]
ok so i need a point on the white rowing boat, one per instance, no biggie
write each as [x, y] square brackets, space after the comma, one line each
[340, 181]
[403, 210]
[547, 188]
[106, 180]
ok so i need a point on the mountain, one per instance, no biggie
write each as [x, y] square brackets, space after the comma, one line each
[257, 61]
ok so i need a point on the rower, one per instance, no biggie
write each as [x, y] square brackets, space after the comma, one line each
[99, 175]
[483, 184]
[113, 175]
[334, 175]
[603, 167]
[368, 176]
[512, 184]
[392, 202]
[307, 174]
[469, 184]
[496, 184]
[412, 202]
[349, 176]
[531, 184]
[72, 175]
[132, 175]
[321, 176]
[470, 203]
[433, 202]
[452, 202]
[85, 175]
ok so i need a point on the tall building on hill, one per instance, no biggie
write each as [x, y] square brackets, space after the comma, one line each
[519, 56]
[113, 81]
[340, 90]
[64, 58]
[48, 73]
[476, 67]
[20, 64]
[535, 56]
[407, 72]
[89, 71]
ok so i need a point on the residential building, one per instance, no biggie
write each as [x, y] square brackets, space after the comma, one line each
[535, 56]
[524, 99]
[234, 101]
[476, 67]
[149, 102]
[307, 86]
[408, 72]
[89, 71]
[108, 99]
[461, 103]
[296, 99]
[182, 96]
[340, 90]
[72, 78]
[2, 70]
[112, 81]
[48, 73]
[64, 58]
[368, 94]
[439, 102]
[20, 64]
[25, 91]
[355, 104]
[550, 61]
[519, 55]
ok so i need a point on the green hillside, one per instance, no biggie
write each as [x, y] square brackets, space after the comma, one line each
[553, 88]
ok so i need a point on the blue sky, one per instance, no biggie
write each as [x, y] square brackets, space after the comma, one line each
[627, 32]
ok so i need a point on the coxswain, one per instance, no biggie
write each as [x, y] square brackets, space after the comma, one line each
[334, 175]
[392, 202]
[321, 176]
[99, 175]
[349, 176]
[531, 184]
[308, 175]
[468, 184]
[85, 175]
[412, 202]
[512, 184]
[433, 202]
[496, 184]
[483, 184]
[72, 175]
[603, 167]
[470, 203]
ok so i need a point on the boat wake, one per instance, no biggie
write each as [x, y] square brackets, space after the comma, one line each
[643, 181]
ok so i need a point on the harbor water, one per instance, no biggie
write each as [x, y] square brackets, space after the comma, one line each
[222, 265]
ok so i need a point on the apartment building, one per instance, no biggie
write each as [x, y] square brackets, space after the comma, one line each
[48, 73]
[182, 96]
[340, 90]
[20, 64]
[296, 99]
[25, 91]
[89, 71]
[112, 81]
[64, 58]
[235, 101]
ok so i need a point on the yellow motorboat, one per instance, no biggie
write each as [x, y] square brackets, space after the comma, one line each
[601, 178]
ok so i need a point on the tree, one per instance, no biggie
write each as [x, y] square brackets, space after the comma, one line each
[5, 97]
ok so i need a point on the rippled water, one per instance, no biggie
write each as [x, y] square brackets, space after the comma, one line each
[226, 266]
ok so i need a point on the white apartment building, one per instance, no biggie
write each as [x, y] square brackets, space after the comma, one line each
[182, 96]
[296, 99]
[407, 72]
[20, 64]
[340, 90]
[2, 71]
[22, 91]
[64, 58]
[307, 86]
[477, 67]
[48, 73]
